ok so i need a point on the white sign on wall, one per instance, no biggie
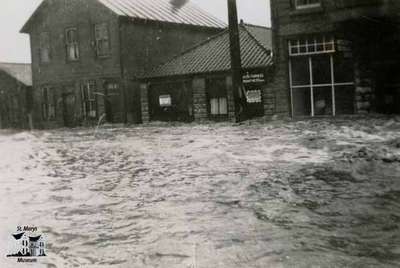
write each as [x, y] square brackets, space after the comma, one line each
[165, 100]
[253, 96]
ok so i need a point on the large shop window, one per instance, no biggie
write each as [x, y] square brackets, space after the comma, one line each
[321, 78]
[48, 104]
[89, 104]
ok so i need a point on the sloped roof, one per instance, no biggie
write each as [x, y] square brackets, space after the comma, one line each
[163, 10]
[153, 10]
[213, 55]
[18, 236]
[20, 71]
[262, 34]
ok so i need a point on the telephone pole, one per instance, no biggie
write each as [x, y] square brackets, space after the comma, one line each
[236, 61]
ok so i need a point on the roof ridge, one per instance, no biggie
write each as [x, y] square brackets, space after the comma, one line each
[191, 48]
[256, 25]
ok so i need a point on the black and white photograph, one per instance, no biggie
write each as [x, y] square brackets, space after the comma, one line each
[200, 133]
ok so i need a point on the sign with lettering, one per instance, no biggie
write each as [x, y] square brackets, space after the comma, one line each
[253, 78]
[165, 100]
[253, 96]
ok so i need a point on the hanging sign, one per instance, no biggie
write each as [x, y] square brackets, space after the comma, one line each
[253, 78]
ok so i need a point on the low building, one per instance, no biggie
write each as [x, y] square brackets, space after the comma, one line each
[15, 95]
[87, 54]
[336, 56]
[197, 84]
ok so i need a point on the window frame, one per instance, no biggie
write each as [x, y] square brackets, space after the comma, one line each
[48, 103]
[311, 85]
[74, 44]
[98, 40]
[89, 99]
[44, 47]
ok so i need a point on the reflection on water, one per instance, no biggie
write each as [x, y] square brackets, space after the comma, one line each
[283, 195]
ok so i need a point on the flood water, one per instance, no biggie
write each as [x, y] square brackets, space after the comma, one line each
[284, 194]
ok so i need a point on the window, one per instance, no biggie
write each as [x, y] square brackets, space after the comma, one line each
[102, 39]
[321, 78]
[302, 4]
[218, 106]
[89, 103]
[44, 47]
[72, 45]
[316, 45]
[48, 104]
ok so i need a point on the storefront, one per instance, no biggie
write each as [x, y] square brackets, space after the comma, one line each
[197, 84]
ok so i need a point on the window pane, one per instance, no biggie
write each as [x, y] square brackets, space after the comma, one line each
[223, 106]
[301, 101]
[344, 99]
[323, 101]
[214, 106]
[321, 67]
[300, 71]
[344, 72]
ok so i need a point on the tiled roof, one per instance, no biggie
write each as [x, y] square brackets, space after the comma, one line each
[20, 71]
[163, 10]
[213, 55]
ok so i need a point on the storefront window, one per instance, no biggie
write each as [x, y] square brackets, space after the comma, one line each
[321, 79]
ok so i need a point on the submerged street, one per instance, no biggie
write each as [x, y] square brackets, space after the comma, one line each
[315, 193]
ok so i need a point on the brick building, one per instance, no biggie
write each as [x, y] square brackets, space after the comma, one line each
[87, 54]
[336, 56]
[15, 95]
[197, 84]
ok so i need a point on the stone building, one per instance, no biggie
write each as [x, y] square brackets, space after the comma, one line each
[336, 56]
[15, 95]
[88, 54]
[197, 84]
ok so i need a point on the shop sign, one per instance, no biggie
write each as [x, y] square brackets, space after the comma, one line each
[165, 100]
[253, 96]
[253, 78]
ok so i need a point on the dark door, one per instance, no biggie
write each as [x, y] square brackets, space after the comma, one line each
[68, 100]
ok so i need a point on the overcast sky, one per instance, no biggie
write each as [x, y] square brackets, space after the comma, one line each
[14, 47]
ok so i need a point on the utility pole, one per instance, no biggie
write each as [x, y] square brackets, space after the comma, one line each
[236, 61]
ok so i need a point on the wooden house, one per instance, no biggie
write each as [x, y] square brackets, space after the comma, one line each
[88, 54]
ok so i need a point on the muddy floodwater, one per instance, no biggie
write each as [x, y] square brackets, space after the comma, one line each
[320, 193]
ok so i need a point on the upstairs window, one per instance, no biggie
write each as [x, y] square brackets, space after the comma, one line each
[303, 4]
[89, 105]
[44, 47]
[102, 39]
[72, 45]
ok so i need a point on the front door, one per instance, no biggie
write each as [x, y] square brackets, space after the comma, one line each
[68, 100]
